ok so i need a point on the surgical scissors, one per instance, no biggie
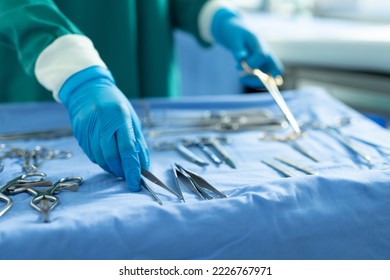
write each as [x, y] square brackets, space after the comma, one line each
[271, 85]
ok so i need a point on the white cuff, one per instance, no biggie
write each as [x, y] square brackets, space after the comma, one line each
[64, 57]
[206, 17]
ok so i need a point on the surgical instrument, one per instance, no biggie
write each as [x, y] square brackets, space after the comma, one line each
[177, 181]
[194, 118]
[297, 166]
[8, 203]
[222, 121]
[303, 151]
[335, 131]
[10, 186]
[201, 182]
[279, 168]
[150, 190]
[44, 200]
[221, 151]
[191, 185]
[32, 159]
[292, 141]
[180, 146]
[209, 153]
[190, 156]
[152, 178]
[270, 83]
[44, 134]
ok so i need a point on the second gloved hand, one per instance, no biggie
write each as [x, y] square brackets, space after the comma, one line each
[228, 30]
[105, 124]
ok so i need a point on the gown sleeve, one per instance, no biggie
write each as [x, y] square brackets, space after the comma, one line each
[185, 15]
[29, 26]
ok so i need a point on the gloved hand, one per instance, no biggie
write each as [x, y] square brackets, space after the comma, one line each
[229, 31]
[105, 124]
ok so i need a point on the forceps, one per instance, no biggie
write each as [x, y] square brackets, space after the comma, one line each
[42, 197]
[8, 203]
[11, 186]
[271, 85]
[198, 184]
[152, 178]
[46, 200]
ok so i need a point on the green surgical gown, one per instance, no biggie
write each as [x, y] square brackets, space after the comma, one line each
[133, 37]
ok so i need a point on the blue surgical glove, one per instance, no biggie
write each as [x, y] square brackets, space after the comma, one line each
[105, 124]
[229, 31]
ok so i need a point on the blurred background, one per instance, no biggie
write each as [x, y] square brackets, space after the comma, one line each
[340, 45]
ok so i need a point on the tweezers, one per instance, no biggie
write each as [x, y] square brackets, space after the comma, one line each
[200, 183]
[177, 181]
[279, 168]
[271, 85]
[191, 185]
[152, 178]
[297, 166]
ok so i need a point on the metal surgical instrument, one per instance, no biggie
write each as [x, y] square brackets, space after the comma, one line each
[150, 190]
[199, 183]
[8, 203]
[334, 130]
[191, 185]
[44, 134]
[297, 166]
[209, 153]
[223, 121]
[270, 83]
[44, 200]
[186, 153]
[9, 187]
[32, 159]
[279, 168]
[221, 151]
[152, 178]
[177, 181]
[292, 141]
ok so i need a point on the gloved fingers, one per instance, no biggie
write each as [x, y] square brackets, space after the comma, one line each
[143, 150]
[266, 63]
[251, 82]
[109, 158]
[252, 44]
[129, 154]
[239, 50]
[274, 66]
[89, 142]
[142, 145]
